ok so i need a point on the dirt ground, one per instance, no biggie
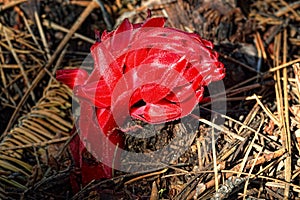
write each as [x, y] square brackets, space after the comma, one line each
[246, 141]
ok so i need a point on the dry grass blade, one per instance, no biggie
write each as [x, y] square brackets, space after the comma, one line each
[249, 149]
[13, 183]
[287, 135]
[11, 4]
[19, 63]
[33, 133]
[58, 50]
[284, 65]
[215, 160]
[42, 34]
[53, 25]
[146, 175]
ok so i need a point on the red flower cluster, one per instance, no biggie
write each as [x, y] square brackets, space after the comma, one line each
[145, 70]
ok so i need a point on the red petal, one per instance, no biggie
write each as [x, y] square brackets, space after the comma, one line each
[161, 112]
[121, 36]
[72, 77]
[105, 35]
[98, 93]
[154, 22]
[106, 64]
[124, 26]
[135, 58]
[135, 97]
[190, 102]
[152, 93]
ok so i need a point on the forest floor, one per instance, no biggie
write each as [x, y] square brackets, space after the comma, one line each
[246, 144]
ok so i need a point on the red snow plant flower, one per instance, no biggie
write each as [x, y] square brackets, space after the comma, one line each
[144, 71]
